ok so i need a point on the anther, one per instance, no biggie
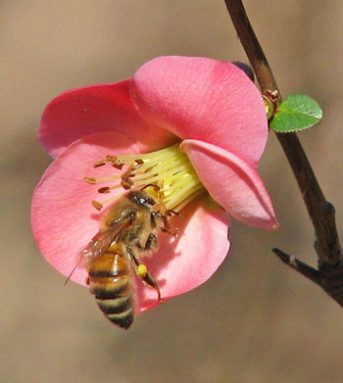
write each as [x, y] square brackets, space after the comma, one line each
[97, 205]
[126, 183]
[128, 173]
[110, 158]
[118, 166]
[104, 189]
[99, 163]
[90, 180]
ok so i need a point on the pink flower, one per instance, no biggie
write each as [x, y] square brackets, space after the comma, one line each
[216, 114]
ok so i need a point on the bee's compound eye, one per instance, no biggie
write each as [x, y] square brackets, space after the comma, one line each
[150, 201]
[142, 270]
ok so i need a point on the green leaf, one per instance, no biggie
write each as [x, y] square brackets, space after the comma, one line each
[296, 112]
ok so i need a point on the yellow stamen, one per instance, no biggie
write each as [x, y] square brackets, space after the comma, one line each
[169, 169]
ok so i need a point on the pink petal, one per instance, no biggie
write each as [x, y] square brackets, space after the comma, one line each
[192, 258]
[204, 99]
[108, 107]
[232, 183]
[63, 219]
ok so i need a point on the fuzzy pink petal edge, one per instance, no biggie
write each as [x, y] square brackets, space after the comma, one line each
[80, 112]
[232, 183]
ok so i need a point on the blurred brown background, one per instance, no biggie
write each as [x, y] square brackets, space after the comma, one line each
[255, 320]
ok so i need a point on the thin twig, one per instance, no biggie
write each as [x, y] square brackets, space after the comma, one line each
[301, 267]
[321, 212]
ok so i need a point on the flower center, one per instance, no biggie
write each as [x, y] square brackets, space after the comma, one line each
[169, 169]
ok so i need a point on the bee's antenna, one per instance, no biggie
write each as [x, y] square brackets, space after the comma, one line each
[72, 271]
[69, 276]
[151, 185]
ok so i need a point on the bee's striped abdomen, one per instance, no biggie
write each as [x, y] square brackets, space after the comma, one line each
[110, 280]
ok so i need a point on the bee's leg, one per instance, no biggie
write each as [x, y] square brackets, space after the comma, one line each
[151, 243]
[143, 273]
[151, 185]
[153, 217]
[167, 227]
[171, 212]
[165, 220]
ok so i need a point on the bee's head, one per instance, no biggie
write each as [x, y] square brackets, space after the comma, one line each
[141, 198]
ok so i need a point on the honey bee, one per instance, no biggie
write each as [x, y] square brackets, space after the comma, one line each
[129, 231]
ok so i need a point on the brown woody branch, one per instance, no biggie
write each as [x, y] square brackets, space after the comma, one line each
[322, 213]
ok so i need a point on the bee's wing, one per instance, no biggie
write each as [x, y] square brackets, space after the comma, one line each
[103, 239]
[99, 244]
